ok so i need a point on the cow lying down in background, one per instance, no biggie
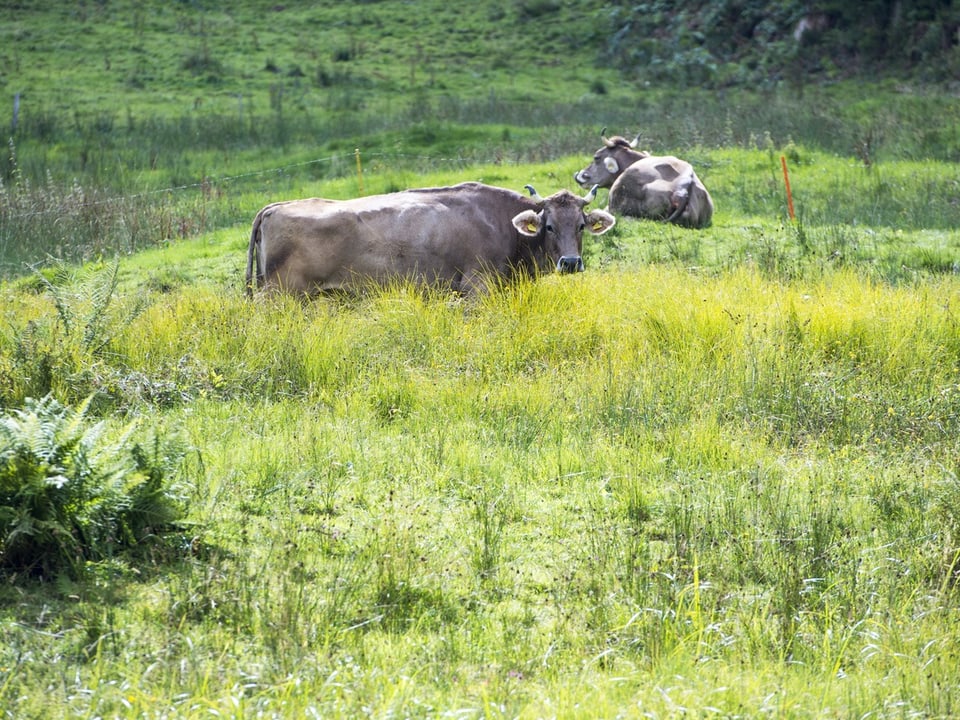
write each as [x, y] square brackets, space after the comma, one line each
[463, 238]
[648, 186]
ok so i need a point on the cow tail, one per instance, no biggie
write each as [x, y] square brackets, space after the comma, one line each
[684, 194]
[254, 279]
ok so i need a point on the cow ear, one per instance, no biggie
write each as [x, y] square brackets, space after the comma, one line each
[599, 221]
[527, 223]
[611, 165]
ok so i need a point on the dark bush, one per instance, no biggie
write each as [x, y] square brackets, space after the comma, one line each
[757, 42]
[533, 9]
[201, 63]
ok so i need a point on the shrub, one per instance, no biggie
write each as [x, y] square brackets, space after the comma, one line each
[533, 9]
[201, 63]
[67, 496]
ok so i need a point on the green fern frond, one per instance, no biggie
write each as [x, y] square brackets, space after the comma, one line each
[67, 494]
[58, 296]
[102, 289]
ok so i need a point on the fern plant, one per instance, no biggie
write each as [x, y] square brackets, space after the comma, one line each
[67, 496]
[62, 352]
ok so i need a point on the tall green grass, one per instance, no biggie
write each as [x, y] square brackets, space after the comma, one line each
[632, 490]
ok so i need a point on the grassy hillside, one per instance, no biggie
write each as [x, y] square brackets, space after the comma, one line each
[172, 58]
[253, 75]
[144, 123]
[716, 474]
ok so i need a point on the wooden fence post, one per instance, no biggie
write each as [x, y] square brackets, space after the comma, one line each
[359, 170]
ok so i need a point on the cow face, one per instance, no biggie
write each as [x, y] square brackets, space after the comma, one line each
[616, 155]
[560, 223]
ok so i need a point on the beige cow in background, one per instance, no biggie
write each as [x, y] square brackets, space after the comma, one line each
[657, 187]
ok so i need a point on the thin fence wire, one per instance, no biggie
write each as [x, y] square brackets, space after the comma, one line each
[44, 223]
[210, 181]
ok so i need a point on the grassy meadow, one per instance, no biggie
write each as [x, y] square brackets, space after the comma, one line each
[715, 475]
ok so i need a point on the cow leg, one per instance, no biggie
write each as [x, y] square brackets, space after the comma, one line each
[472, 283]
[679, 200]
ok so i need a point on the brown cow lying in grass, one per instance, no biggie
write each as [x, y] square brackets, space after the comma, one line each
[648, 186]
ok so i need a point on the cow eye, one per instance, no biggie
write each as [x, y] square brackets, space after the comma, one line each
[582, 226]
[549, 228]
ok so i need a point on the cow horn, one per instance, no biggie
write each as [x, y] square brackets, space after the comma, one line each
[636, 141]
[533, 192]
[603, 136]
[590, 196]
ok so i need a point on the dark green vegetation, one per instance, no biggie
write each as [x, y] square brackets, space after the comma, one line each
[716, 474]
[762, 43]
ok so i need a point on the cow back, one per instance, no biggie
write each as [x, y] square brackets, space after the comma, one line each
[438, 236]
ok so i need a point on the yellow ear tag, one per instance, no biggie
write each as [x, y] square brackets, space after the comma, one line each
[598, 225]
[531, 226]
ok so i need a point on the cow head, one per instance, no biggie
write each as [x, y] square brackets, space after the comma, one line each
[616, 155]
[559, 221]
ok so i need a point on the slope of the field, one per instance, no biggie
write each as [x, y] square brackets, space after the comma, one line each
[172, 58]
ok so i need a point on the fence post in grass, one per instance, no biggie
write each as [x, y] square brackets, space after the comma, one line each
[786, 182]
[356, 152]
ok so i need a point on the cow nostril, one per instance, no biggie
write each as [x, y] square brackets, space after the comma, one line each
[570, 264]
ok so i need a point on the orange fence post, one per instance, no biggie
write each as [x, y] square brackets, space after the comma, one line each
[786, 181]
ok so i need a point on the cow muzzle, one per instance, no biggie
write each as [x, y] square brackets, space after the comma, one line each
[582, 178]
[570, 264]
